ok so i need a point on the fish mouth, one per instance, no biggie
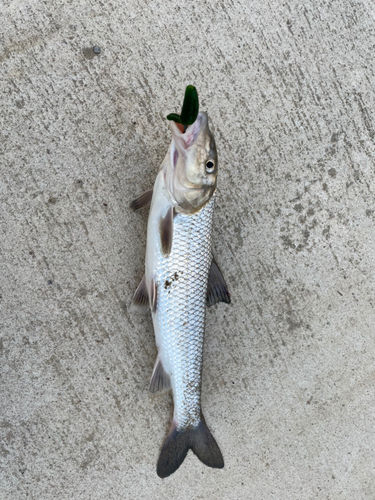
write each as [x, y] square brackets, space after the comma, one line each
[183, 137]
[181, 128]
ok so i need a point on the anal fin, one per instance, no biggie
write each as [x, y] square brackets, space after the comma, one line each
[160, 380]
[217, 290]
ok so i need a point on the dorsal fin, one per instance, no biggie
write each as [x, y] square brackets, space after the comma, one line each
[217, 290]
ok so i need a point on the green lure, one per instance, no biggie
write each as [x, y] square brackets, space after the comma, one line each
[190, 108]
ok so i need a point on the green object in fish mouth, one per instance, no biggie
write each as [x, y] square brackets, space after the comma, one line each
[190, 108]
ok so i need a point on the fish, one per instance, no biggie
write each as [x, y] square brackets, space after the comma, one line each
[182, 278]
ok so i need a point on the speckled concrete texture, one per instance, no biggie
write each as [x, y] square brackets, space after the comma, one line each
[289, 369]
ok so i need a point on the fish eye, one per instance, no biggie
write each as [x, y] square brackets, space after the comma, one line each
[210, 166]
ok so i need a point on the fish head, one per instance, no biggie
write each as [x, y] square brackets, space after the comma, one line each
[192, 172]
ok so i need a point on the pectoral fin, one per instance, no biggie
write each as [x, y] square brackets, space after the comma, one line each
[142, 201]
[217, 290]
[166, 232]
[140, 300]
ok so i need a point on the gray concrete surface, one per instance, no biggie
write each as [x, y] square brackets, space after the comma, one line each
[289, 373]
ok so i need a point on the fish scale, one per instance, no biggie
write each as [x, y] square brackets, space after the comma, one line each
[180, 313]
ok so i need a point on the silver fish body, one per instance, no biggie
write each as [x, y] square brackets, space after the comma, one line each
[179, 317]
[179, 265]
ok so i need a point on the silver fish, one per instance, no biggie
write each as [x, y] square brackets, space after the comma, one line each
[181, 278]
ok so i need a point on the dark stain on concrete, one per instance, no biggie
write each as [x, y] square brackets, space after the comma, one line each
[18, 47]
[332, 172]
[88, 53]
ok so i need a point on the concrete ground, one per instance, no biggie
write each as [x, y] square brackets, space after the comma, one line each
[289, 372]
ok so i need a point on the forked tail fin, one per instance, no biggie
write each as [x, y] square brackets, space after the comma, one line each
[199, 439]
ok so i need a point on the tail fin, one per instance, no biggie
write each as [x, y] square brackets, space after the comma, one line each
[178, 442]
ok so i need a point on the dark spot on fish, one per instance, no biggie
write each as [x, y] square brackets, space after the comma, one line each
[105, 204]
[52, 200]
[174, 277]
